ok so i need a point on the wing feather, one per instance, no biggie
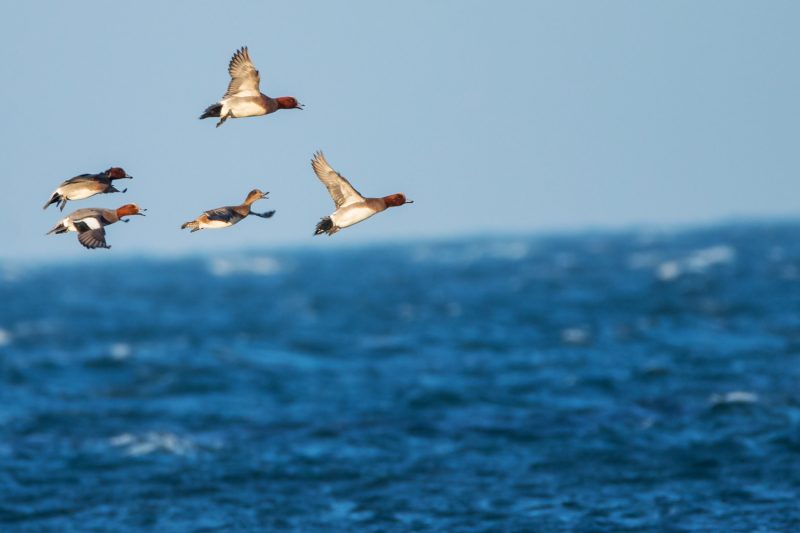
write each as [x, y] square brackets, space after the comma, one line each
[81, 179]
[92, 238]
[88, 222]
[339, 188]
[222, 214]
[245, 79]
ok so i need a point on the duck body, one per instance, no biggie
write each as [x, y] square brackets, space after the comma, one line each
[356, 212]
[90, 222]
[85, 186]
[223, 217]
[351, 206]
[244, 97]
[248, 106]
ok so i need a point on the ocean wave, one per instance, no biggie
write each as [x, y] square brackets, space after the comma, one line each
[697, 261]
[153, 442]
[471, 253]
[733, 397]
[5, 337]
[120, 351]
[254, 266]
[12, 273]
[575, 335]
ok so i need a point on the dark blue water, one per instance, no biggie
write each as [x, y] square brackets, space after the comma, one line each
[619, 382]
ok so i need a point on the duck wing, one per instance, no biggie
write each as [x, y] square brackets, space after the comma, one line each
[83, 178]
[92, 239]
[245, 79]
[223, 214]
[91, 233]
[86, 213]
[339, 188]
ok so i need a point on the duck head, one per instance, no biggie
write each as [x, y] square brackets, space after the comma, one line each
[393, 200]
[288, 102]
[254, 196]
[116, 173]
[129, 209]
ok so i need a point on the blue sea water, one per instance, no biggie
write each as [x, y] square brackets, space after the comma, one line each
[627, 381]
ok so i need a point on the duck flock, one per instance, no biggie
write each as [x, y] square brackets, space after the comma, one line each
[242, 99]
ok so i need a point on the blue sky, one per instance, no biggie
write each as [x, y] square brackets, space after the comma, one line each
[493, 116]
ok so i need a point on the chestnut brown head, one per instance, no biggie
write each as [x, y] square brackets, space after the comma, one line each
[288, 102]
[116, 173]
[129, 209]
[393, 200]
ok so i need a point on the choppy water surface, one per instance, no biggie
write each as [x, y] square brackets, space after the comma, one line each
[595, 383]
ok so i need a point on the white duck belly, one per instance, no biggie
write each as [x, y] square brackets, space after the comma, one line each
[215, 224]
[76, 193]
[247, 106]
[347, 216]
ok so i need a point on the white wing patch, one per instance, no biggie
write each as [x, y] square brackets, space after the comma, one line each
[91, 222]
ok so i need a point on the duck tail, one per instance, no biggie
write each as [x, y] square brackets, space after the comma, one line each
[56, 198]
[325, 225]
[58, 228]
[212, 111]
[192, 225]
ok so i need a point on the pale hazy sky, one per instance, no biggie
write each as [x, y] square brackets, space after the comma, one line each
[493, 116]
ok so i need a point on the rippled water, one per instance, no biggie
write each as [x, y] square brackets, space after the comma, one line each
[595, 383]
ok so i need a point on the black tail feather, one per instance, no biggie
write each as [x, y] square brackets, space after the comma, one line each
[325, 225]
[58, 229]
[192, 225]
[53, 200]
[212, 111]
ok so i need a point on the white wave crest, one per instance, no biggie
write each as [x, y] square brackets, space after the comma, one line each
[257, 266]
[733, 397]
[574, 335]
[470, 253]
[152, 442]
[696, 262]
[120, 351]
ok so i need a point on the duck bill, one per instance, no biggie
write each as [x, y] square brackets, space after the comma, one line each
[140, 213]
[265, 195]
[409, 201]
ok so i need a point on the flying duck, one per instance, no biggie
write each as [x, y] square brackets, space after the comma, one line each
[86, 185]
[351, 207]
[90, 223]
[243, 97]
[222, 217]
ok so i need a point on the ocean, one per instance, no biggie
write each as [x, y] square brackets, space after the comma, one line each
[612, 381]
